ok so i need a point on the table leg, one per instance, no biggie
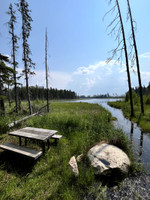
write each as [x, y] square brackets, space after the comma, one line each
[25, 141]
[48, 144]
[19, 141]
[43, 145]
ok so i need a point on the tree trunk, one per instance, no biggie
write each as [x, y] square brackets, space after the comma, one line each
[47, 95]
[9, 100]
[2, 106]
[25, 62]
[137, 59]
[126, 57]
[14, 64]
[15, 80]
[28, 94]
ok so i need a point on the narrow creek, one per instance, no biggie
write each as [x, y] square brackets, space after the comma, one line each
[139, 139]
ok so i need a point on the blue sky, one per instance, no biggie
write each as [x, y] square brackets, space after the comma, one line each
[78, 44]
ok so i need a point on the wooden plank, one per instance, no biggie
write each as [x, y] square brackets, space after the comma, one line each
[34, 133]
[29, 135]
[32, 153]
[57, 136]
[38, 131]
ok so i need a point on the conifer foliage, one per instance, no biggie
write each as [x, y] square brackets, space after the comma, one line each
[5, 74]
[14, 40]
[23, 8]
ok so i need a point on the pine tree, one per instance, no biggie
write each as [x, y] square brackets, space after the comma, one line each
[5, 74]
[14, 39]
[26, 29]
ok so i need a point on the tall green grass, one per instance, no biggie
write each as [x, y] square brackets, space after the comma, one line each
[142, 120]
[82, 125]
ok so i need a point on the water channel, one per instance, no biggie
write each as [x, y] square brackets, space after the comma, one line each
[139, 139]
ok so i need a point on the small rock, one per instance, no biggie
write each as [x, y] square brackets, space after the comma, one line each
[73, 165]
[80, 158]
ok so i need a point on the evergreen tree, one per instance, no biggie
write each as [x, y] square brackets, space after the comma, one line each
[5, 74]
[14, 39]
[23, 7]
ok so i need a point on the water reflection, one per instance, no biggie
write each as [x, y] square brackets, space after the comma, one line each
[140, 150]
[141, 144]
[131, 132]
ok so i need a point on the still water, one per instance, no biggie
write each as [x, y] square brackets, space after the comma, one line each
[139, 139]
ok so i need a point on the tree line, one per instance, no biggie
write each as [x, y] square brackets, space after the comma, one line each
[145, 90]
[37, 92]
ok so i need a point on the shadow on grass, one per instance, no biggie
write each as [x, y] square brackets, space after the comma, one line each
[114, 179]
[14, 163]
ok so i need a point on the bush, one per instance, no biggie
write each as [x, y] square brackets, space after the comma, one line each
[147, 100]
[3, 125]
[135, 97]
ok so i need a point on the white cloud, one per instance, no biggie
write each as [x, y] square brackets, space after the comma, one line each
[89, 83]
[145, 77]
[92, 68]
[83, 70]
[98, 78]
[58, 80]
[145, 55]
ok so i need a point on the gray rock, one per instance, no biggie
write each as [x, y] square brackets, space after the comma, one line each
[105, 158]
[74, 166]
[80, 158]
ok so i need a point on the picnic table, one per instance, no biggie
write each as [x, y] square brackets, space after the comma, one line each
[39, 134]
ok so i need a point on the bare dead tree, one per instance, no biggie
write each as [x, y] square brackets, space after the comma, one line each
[117, 30]
[46, 70]
[136, 55]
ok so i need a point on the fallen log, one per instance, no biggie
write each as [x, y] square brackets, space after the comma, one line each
[20, 120]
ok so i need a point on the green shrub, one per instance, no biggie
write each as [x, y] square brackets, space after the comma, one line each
[147, 100]
[135, 97]
[3, 125]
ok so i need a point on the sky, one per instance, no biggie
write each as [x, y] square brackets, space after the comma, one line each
[79, 44]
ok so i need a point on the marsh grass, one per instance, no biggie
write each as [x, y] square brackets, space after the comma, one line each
[82, 126]
[142, 120]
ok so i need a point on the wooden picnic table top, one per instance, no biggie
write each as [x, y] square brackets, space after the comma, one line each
[34, 133]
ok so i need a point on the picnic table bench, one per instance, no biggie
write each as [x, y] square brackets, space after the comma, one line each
[39, 134]
[32, 153]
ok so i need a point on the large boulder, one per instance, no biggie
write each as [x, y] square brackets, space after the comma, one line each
[107, 159]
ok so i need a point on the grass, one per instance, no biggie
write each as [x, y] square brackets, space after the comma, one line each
[82, 125]
[143, 121]
[10, 116]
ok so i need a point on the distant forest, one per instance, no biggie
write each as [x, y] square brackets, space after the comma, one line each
[146, 90]
[37, 92]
